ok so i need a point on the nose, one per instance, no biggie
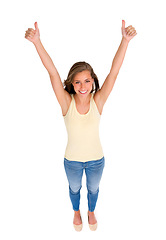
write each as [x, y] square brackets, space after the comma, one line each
[82, 86]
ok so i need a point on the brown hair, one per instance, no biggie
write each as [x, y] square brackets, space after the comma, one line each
[76, 68]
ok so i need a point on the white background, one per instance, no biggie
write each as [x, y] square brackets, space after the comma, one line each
[34, 201]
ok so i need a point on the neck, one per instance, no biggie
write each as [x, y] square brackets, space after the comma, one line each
[82, 99]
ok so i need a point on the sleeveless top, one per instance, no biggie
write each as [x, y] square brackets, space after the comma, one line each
[83, 133]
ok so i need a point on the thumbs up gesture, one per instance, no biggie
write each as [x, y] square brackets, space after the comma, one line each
[33, 35]
[129, 32]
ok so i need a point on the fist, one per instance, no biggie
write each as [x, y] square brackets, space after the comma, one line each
[129, 32]
[33, 35]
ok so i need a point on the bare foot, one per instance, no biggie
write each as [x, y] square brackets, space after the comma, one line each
[77, 218]
[91, 218]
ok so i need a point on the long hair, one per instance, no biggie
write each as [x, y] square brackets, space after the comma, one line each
[76, 68]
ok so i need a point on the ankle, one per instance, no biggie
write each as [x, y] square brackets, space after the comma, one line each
[91, 218]
[91, 213]
[77, 212]
[77, 218]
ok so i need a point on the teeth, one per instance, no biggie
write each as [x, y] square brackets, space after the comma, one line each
[83, 91]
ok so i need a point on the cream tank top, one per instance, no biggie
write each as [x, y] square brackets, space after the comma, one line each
[83, 133]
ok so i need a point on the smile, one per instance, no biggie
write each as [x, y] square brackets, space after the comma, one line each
[83, 92]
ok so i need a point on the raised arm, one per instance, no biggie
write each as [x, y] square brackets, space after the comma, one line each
[127, 34]
[34, 37]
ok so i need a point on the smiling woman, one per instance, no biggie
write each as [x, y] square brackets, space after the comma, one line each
[77, 68]
[85, 83]
[82, 102]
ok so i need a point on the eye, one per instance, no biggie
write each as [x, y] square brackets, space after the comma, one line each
[87, 81]
[77, 82]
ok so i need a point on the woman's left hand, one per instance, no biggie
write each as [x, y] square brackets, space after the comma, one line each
[129, 32]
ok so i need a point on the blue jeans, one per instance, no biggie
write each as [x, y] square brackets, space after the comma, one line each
[74, 171]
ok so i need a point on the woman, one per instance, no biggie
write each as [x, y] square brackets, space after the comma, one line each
[82, 102]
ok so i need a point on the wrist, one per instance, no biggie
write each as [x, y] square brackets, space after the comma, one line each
[37, 42]
[125, 40]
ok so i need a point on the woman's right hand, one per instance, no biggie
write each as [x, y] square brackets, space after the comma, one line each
[33, 35]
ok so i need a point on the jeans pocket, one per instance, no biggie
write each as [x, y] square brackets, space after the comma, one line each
[98, 164]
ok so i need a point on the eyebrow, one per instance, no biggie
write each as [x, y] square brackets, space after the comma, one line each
[84, 80]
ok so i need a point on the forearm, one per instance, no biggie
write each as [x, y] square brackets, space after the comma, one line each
[119, 57]
[45, 58]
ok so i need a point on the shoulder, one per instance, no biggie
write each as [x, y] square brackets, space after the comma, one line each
[98, 101]
[66, 104]
[68, 97]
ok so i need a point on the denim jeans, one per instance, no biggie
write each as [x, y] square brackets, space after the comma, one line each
[74, 171]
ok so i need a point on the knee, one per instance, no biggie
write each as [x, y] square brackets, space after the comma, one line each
[93, 190]
[75, 189]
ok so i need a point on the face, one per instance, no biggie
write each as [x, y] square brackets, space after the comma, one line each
[83, 83]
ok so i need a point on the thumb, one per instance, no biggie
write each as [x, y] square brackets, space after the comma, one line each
[123, 25]
[36, 26]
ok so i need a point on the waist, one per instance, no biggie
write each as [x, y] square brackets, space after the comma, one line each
[84, 150]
